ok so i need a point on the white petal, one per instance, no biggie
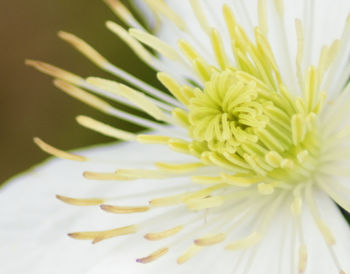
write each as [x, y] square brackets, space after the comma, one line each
[34, 224]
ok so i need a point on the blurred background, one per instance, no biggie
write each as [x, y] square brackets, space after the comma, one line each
[30, 105]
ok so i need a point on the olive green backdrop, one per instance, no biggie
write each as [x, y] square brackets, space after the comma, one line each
[30, 106]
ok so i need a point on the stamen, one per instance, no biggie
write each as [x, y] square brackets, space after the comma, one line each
[210, 239]
[98, 236]
[104, 176]
[139, 99]
[200, 16]
[105, 129]
[244, 243]
[218, 48]
[123, 13]
[153, 139]
[266, 189]
[124, 209]
[102, 62]
[84, 48]
[57, 152]
[83, 96]
[302, 259]
[163, 234]
[156, 44]
[139, 50]
[168, 201]
[279, 7]
[204, 203]
[189, 253]
[262, 16]
[173, 87]
[298, 129]
[240, 180]
[322, 226]
[161, 7]
[80, 202]
[55, 72]
[178, 167]
[154, 256]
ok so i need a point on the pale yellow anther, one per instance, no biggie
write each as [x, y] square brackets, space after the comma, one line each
[83, 96]
[188, 50]
[124, 209]
[219, 49]
[98, 236]
[302, 155]
[134, 44]
[172, 85]
[262, 16]
[154, 256]
[187, 167]
[104, 176]
[156, 236]
[134, 96]
[202, 193]
[266, 189]
[326, 232]
[55, 72]
[57, 152]
[181, 116]
[298, 129]
[122, 12]
[204, 203]
[179, 145]
[230, 20]
[279, 7]
[300, 106]
[135, 173]
[203, 69]
[161, 7]
[153, 139]
[244, 243]
[199, 13]
[239, 180]
[207, 179]
[302, 259]
[273, 158]
[210, 239]
[84, 48]
[155, 43]
[311, 89]
[189, 253]
[80, 202]
[287, 163]
[332, 53]
[105, 129]
[168, 201]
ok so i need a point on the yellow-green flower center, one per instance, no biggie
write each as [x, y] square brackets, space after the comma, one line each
[238, 122]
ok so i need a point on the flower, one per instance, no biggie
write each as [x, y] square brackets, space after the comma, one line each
[242, 179]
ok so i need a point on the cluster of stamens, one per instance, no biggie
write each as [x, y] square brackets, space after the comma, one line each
[248, 133]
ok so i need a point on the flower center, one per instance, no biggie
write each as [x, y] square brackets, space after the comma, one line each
[240, 123]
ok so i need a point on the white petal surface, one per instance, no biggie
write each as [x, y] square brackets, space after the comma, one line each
[34, 224]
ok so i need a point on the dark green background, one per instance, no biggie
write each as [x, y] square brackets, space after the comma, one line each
[30, 105]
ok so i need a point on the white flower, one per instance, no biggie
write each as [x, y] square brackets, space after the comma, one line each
[242, 180]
